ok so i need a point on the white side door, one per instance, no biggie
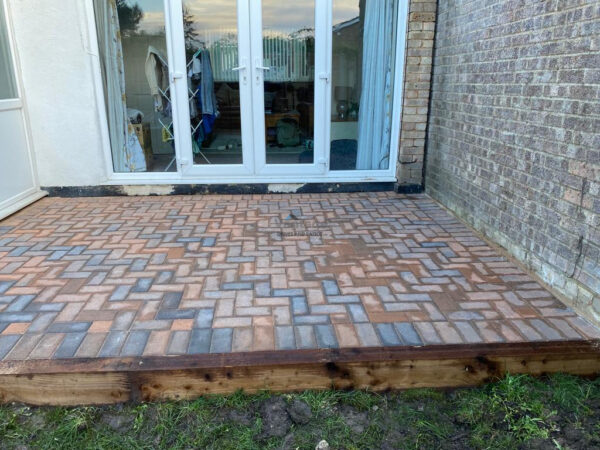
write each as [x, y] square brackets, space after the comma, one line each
[18, 179]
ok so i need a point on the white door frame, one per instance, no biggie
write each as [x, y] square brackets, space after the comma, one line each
[244, 173]
[16, 202]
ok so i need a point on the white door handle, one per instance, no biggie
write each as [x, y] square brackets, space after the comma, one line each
[242, 70]
[176, 76]
[262, 68]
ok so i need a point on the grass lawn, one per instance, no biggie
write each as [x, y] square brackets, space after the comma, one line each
[516, 412]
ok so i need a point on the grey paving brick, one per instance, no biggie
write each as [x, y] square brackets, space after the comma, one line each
[305, 336]
[435, 280]
[288, 292]
[299, 305]
[57, 255]
[69, 345]
[413, 297]
[190, 239]
[433, 244]
[138, 265]
[330, 287]
[366, 334]
[468, 332]
[77, 250]
[20, 303]
[142, 285]
[255, 277]
[547, 331]
[284, 337]
[123, 320]
[446, 273]
[68, 327]
[120, 293]
[526, 330]
[326, 336]
[387, 334]
[328, 309]
[178, 343]
[199, 341]
[564, 328]
[221, 340]
[6, 343]
[169, 314]
[5, 299]
[5, 286]
[241, 259]
[204, 318]
[409, 277]
[427, 333]
[343, 299]
[263, 289]
[18, 251]
[135, 343]
[584, 327]
[164, 277]
[407, 333]
[151, 325]
[358, 314]
[44, 307]
[75, 275]
[16, 317]
[309, 267]
[465, 315]
[305, 320]
[95, 260]
[112, 344]
[429, 264]
[237, 286]
[209, 241]
[41, 322]
[448, 253]
[97, 279]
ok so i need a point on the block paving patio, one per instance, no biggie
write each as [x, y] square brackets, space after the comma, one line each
[132, 276]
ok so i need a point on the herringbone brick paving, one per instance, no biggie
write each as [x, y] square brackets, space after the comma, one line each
[130, 276]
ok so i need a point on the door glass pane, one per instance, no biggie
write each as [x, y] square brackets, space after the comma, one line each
[364, 36]
[133, 57]
[289, 65]
[8, 85]
[211, 44]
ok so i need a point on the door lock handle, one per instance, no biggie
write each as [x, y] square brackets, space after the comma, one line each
[262, 68]
[176, 76]
[237, 69]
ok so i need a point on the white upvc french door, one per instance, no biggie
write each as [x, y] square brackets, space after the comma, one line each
[252, 72]
[288, 84]
[196, 164]
[319, 77]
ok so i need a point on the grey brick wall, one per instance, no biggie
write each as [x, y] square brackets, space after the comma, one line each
[514, 133]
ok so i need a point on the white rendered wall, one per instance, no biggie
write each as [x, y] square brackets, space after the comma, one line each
[51, 37]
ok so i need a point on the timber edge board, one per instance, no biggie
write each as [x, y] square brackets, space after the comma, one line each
[156, 378]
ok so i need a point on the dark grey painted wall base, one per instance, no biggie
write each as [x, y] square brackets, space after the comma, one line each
[198, 189]
[409, 188]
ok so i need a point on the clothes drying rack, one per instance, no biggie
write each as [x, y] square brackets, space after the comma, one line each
[167, 127]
